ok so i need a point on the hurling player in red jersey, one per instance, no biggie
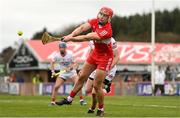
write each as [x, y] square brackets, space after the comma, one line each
[100, 59]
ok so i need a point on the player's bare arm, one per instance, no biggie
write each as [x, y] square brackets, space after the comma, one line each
[52, 68]
[116, 58]
[81, 38]
[75, 65]
[52, 65]
[72, 66]
[79, 30]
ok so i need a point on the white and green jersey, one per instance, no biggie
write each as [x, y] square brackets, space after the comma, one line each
[63, 62]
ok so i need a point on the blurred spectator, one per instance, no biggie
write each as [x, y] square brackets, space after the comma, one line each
[168, 72]
[159, 80]
[6, 79]
[146, 76]
[20, 79]
[12, 77]
[36, 79]
[127, 78]
[173, 77]
[126, 75]
[173, 73]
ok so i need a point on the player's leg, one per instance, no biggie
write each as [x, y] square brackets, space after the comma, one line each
[58, 83]
[90, 90]
[89, 86]
[108, 80]
[174, 87]
[162, 89]
[82, 101]
[94, 102]
[82, 77]
[89, 83]
[155, 89]
[98, 83]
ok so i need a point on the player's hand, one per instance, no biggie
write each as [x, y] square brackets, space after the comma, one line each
[67, 38]
[52, 74]
[69, 69]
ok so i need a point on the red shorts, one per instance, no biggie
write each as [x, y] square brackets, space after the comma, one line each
[103, 62]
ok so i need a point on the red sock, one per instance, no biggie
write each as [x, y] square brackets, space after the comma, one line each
[101, 106]
[81, 97]
[72, 94]
[88, 92]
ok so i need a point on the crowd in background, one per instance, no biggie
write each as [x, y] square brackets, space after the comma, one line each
[172, 73]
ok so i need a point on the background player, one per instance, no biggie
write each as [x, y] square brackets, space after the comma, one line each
[66, 62]
[108, 79]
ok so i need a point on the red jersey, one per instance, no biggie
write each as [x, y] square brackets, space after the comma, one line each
[103, 46]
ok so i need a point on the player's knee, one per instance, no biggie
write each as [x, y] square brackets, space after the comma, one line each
[88, 90]
[97, 88]
[107, 82]
[93, 92]
[56, 88]
[82, 77]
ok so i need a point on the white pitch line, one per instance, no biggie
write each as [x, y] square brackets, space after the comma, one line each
[27, 101]
[152, 105]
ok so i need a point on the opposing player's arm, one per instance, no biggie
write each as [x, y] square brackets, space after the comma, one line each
[74, 65]
[116, 58]
[52, 66]
[91, 47]
[53, 74]
[71, 67]
[90, 50]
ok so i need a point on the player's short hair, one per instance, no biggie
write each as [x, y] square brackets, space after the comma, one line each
[62, 45]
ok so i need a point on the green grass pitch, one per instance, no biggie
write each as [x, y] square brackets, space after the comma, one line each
[116, 106]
